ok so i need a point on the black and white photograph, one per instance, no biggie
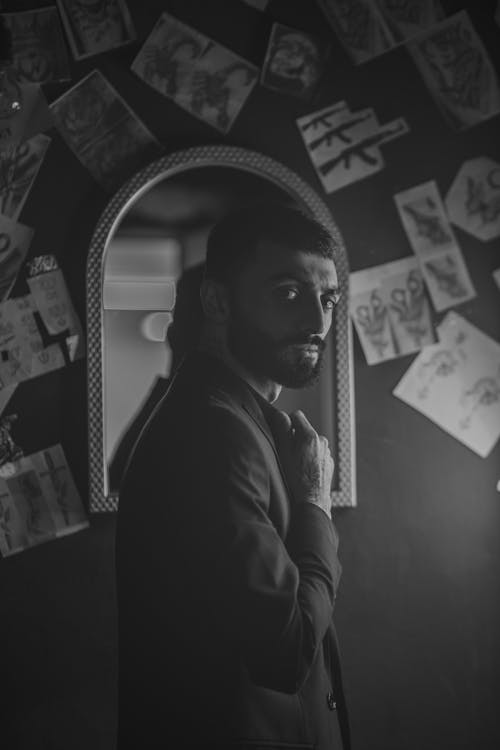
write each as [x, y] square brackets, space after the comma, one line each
[101, 129]
[38, 46]
[250, 374]
[95, 27]
[458, 71]
[294, 62]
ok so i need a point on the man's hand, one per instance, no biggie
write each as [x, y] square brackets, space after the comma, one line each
[306, 459]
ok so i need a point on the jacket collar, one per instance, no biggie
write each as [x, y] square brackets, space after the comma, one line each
[212, 372]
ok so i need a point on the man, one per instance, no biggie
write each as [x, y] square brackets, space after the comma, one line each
[226, 553]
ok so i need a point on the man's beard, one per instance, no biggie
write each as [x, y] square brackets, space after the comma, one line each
[280, 361]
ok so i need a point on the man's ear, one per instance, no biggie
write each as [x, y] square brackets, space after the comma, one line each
[214, 300]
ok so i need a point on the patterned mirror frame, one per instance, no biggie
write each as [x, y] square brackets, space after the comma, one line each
[128, 194]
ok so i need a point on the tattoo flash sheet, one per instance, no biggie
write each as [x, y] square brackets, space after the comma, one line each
[473, 201]
[430, 235]
[102, 131]
[19, 165]
[203, 77]
[343, 145]
[294, 62]
[96, 27]
[407, 18]
[456, 384]
[15, 240]
[57, 314]
[360, 27]
[23, 353]
[39, 332]
[39, 501]
[390, 310]
[458, 71]
[38, 46]
[34, 117]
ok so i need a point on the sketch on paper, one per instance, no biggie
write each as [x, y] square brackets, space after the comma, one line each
[15, 240]
[97, 26]
[19, 165]
[473, 200]
[431, 237]
[390, 310]
[407, 18]
[456, 384]
[39, 501]
[203, 77]
[294, 62]
[371, 320]
[344, 146]
[38, 46]
[457, 71]
[360, 27]
[102, 131]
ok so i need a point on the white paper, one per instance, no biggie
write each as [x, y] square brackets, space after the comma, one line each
[39, 501]
[390, 310]
[432, 239]
[343, 145]
[456, 384]
[473, 201]
[15, 240]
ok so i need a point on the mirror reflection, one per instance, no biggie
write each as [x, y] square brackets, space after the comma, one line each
[152, 270]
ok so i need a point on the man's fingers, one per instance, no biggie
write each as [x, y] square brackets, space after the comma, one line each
[301, 424]
[282, 425]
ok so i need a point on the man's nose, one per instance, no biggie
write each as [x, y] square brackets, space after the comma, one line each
[315, 319]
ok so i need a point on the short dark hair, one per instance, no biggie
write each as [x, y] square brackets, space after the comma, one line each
[234, 239]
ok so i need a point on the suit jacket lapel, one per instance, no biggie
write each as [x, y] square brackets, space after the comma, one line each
[213, 371]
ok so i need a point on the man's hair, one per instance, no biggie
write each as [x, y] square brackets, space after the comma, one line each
[234, 239]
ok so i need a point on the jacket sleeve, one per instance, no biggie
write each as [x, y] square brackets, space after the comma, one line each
[274, 598]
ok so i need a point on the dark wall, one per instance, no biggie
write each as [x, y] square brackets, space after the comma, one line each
[419, 609]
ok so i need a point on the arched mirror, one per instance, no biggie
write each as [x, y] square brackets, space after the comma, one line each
[143, 268]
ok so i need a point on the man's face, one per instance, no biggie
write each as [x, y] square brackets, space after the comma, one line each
[281, 312]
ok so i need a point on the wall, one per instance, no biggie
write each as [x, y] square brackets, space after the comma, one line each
[419, 610]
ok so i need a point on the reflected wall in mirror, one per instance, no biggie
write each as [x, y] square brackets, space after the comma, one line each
[144, 267]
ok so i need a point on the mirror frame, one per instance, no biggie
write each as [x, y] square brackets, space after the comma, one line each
[123, 199]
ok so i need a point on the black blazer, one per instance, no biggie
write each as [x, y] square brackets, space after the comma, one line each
[225, 588]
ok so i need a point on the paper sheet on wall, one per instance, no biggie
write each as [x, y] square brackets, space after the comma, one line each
[39, 332]
[390, 310]
[39, 501]
[38, 46]
[203, 77]
[33, 118]
[344, 146]
[294, 61]
[457, 71]
[473, 200]
[369, 28]
[433, 241]
[15, 240]
[456, 384]
[91, 32]
[52, 300]
[411, 17]
[360, 28]
[19, 165]
[109, 139]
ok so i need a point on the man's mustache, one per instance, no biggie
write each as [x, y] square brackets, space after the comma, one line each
[309, 341]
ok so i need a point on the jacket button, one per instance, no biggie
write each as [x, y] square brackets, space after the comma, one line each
[330, 701]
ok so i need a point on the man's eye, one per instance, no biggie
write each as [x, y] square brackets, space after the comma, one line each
[330, 302]
[287, 294]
